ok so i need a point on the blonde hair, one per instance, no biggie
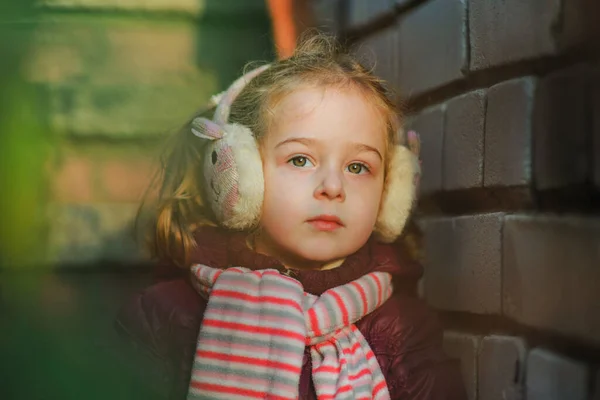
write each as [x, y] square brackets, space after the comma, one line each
[318, 61]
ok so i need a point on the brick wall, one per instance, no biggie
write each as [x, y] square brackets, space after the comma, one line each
[505, 96]
[116, 77]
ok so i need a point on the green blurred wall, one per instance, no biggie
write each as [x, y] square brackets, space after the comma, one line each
[89, 89]
[111, 79]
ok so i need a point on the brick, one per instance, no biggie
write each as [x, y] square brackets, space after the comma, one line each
[378, 50]
[579, 24]
[463, 263]
[361, 12]
[511, 30]
[508, 133]
[86, 234]
[465, 348]
[430, 126]
[553, 377]
[432, 45]
[72, 183]
[561, 128]
[551, 274]
[537, 130]
[463, 141]
[501, 368]
[126, 180]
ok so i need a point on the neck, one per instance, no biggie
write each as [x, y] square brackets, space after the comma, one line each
[261, 244]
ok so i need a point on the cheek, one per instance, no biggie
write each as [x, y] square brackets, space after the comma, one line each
[279, 188]
[367, 201]
[285, 195]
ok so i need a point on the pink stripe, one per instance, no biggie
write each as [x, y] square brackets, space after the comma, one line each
[379, 290]
[257, 382]
[288, 322]
[346, 294]
[360, 374]
[344, 389]
[352, 349]
[241, 286]
[363, 296]
[246, 347]
[233, 359]
[341, 307]
[252, 329]
[281, 301]
[381, 385]
[209, 274]
[327, 320]
[314, 322]
[258, 335]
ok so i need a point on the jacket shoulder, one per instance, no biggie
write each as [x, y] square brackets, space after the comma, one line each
[400, 323]
[163, 316]
[407, 338]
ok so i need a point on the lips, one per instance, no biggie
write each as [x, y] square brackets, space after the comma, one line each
[326, 223]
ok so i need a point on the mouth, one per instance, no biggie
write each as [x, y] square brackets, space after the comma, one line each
[326, 223]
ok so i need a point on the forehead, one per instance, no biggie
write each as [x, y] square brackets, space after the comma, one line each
[340, 112]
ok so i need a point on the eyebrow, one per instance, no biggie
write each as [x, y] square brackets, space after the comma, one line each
[301, 140]
[364, 147]
[308, 141]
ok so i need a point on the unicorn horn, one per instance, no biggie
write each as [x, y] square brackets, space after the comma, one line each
[222, 111]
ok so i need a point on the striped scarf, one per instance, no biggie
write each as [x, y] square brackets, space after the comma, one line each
[257, 324]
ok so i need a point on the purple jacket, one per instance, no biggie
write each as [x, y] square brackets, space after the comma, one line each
[403, 333]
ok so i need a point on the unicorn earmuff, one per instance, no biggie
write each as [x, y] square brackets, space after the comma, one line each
[234, 183]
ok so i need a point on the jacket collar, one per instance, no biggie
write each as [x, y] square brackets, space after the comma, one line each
[220, 248]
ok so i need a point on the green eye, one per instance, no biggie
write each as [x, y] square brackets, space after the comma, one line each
[299, 161]
[357, 168]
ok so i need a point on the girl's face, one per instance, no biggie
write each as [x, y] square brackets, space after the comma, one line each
[323, 162]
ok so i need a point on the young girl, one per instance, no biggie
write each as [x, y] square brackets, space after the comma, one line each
[286, 270]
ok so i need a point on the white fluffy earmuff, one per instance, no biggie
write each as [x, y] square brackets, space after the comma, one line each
[234, 183]
[400, 192]
[233, 176]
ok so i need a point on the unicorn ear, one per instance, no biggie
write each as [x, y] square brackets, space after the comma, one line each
[413, 142]
[207, 129]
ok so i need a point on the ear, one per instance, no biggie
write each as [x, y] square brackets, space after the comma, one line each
[398, 196]
[206, 129]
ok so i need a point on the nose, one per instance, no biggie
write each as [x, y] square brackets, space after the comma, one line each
[330, 185]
